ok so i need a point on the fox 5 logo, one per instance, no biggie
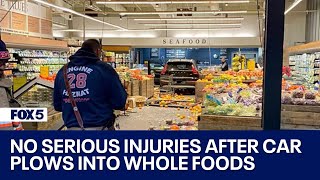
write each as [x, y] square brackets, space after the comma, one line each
[24, 114]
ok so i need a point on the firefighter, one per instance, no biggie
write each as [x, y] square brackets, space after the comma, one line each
[6, 99]
[95, 89]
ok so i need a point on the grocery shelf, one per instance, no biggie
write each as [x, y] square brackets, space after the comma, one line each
[41, 57]
[6, 69]
[30, 71]
[41, 64]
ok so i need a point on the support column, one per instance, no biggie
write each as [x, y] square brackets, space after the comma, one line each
[273, 60]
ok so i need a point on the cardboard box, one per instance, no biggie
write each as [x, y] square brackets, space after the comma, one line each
[132, 102]
[150, 88]
[127, 85]
[135, 91]
[143, 88]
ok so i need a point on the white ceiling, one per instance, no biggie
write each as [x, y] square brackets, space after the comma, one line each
[249, 27]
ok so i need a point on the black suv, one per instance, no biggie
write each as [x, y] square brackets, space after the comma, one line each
[182, 73]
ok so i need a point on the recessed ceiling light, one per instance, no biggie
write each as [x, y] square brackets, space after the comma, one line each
[59, 25]
[182, 12]
[172, 2]
[68, 30]
[191, 19]
[193, 29]
[191, 24]
[292, 6]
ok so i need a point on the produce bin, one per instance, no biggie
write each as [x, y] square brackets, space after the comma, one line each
[214, 122]
[135, 87]
[150, 88]
[199, 94]
[143, 88]
[127, 85]
[300, 117]
[293, 117]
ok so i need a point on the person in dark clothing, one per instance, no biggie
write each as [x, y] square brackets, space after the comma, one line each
[224, 65]
[95, 86]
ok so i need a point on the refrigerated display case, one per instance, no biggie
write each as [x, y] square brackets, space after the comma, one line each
[38, 93]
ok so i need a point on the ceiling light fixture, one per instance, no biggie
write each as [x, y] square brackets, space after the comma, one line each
[68, 30]
[191, 24]
[292, 6]
[182, 12]
[59, 25]
[76, 13]
[194, 29]
[170, 2]
[107, 30]
[190, 19]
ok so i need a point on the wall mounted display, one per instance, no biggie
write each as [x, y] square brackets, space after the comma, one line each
[154, 52]
[223, 53]
[6, 21]
[176, 53]
[26, 18]
[33, 24]
[18, 22]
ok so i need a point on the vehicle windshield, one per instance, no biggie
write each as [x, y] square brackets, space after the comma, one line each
[156, 66]
[174, 66]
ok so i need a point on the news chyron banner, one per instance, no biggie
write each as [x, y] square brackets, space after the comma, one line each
[159, 155]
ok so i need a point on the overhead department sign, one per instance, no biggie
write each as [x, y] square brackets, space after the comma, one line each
[184, 41]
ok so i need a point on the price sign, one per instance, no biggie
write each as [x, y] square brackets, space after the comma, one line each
[108, 54]
[18, 82]
[44, 71]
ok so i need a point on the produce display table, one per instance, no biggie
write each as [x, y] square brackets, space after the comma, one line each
[214, 122]
[300, 117]
[293, 117]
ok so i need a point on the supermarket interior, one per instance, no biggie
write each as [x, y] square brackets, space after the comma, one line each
[200, 64]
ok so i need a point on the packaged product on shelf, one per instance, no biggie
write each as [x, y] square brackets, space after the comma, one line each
[310, 95]
[312, 102]
[305, 69]
[286, 98]
[299, 101]
[30, 62]
[297, 94]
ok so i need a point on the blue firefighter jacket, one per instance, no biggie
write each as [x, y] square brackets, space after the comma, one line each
[96, 88]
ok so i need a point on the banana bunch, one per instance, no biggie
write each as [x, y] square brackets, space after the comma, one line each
[240, 79]
[203, 80]
[236, 63]
[226, 77]
[209, 77]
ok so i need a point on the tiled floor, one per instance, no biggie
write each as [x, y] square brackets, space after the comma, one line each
[148, 117]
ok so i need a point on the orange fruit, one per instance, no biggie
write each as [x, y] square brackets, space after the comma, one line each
[174, 128]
